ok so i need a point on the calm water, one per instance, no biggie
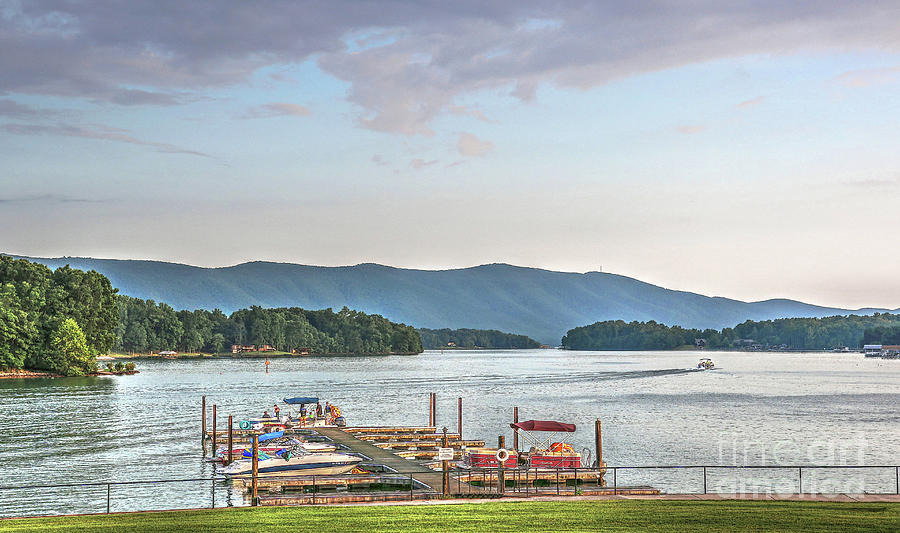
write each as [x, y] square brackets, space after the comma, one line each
[757, 408]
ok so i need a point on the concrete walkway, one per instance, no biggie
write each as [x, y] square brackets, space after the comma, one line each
[837, 498]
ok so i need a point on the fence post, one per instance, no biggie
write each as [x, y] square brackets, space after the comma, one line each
[107, 498]
[615, 482]
[557, 481]
[897, 477]
[800, 478]
[410, 487]
[214, 489]
[704, 480]
[445, 475]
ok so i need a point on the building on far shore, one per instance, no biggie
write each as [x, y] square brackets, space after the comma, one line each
[241, 348]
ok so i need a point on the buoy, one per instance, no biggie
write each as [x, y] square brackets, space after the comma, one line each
[244, 424]
[502, 456]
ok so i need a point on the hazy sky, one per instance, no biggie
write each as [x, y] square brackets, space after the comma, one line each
[742, 149]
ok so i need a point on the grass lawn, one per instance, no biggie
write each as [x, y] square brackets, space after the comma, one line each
[609, 515]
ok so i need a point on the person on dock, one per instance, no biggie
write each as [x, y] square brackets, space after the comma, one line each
[266, 414]
[276, 410]
[318, 410]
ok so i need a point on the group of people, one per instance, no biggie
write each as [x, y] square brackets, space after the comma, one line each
[314, 413]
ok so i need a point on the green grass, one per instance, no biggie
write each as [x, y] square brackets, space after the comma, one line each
[609, 515]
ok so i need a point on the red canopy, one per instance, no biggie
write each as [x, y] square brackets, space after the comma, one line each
[544, 425]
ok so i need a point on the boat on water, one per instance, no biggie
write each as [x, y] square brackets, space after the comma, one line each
[277, 448]
[706, 364]
[549, 452]
[296, 464]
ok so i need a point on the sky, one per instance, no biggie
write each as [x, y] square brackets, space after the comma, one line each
[739, 149]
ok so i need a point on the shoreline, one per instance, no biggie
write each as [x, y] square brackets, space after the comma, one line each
[197, 356]
[23, 373]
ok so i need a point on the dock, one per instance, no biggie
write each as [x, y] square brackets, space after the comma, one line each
[401, 463]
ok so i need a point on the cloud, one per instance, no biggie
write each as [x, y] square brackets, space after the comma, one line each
[690, 129]
[427, 55]
[471, 146]
[753, 102]
[863, 78]
[278, 109]
[50, 198]
[378, 160]
[13, 109]
[95, 132]
[419, 164]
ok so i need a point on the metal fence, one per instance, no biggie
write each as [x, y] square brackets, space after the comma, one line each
[487, 482]
[685, 479]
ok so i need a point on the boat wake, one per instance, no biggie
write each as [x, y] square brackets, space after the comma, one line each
[497, 380]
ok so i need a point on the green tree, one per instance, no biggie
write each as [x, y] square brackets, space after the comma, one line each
[70, 354]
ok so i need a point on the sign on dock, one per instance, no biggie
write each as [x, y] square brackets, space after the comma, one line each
[445, 454]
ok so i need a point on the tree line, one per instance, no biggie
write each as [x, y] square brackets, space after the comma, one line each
[433, 339]
[54, 320]
[60, 320]
[145, 325]
[783, 333]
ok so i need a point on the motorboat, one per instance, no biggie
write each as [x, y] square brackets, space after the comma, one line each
[545, 452]
[277, 448]
[296, 463]
[705, 364]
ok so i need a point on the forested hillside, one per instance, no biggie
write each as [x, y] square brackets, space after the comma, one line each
[145, 325]
[538, 303]
[433, 339]
[790, 333]
[54, 320]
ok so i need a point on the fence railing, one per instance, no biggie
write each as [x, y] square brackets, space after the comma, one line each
[487, 482]
[701, 479]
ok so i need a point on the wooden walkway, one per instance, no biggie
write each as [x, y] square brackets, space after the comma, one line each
[422, 474]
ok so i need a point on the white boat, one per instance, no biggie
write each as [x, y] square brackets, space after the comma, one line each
[302, 464]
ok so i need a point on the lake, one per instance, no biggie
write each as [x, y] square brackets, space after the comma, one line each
[756, 408]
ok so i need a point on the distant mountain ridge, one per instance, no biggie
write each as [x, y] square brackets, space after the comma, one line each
[542, 304]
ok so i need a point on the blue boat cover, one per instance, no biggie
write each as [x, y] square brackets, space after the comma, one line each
[269, 436]
[301, 400]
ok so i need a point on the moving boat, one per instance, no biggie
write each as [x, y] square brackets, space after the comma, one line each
[302, 463]
[706, 364]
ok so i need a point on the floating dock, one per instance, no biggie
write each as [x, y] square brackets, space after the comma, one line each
[395, 467]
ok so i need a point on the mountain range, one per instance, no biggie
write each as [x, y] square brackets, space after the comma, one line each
[542, 304]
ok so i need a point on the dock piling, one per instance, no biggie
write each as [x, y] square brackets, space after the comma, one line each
[458, 418]
[254, 473]
[230, 440]
[598, 443]
[516, 432]
[430, 408]
[434, 409]
[212, 450]
[203, 427]
[501, 478]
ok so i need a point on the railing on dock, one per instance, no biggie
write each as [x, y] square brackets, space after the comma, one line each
[112, 496]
